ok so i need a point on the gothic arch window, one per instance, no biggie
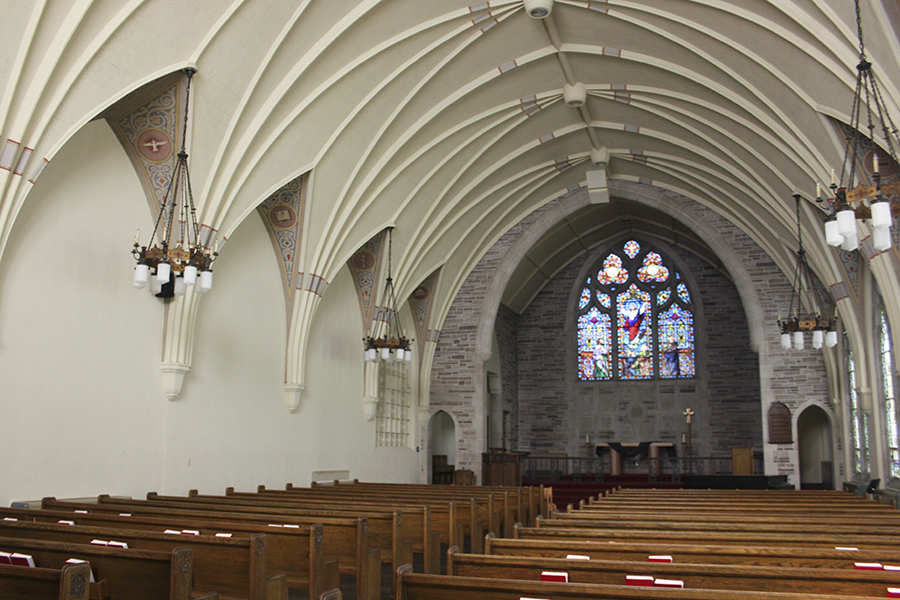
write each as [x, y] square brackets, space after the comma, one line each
[634, 318]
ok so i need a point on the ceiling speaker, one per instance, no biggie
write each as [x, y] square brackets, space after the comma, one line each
[574, 95]
[538, 9]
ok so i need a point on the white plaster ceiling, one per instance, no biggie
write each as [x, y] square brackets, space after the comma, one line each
[445, 118]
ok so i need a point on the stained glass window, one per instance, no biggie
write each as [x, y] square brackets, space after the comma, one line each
[593, 345]
[585, 298]
[635, 320]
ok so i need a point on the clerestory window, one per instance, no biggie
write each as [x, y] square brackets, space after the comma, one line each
[634, 318]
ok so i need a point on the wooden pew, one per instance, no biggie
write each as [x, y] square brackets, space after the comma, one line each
[692, 553]
[726, 538]
[838, 582]
[123, 574]
[26, 583]
[422, 586]
[518, 504]
[453, 520]
[390, 530]
[744, 523]
[297, 552]
[345, 539]
[505, 505]
[230, 566]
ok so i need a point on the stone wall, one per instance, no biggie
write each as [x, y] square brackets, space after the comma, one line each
[557, 411]
[550, 411]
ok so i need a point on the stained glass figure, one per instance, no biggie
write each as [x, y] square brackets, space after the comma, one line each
[676, 343]
[594, 345]
[683, 293]
[604, 299]
[635, 320]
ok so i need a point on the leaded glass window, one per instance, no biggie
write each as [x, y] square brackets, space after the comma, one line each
[635, 320]
[887, 372]
[856, 414]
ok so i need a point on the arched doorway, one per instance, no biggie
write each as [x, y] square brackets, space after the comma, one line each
[442, 447]
[814, 446]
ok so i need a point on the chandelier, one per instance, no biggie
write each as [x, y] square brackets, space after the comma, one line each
[175, 257]
[856, 200]
[805, 293]
[385, 339]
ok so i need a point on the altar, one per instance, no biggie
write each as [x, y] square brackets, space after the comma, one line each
[617, 450]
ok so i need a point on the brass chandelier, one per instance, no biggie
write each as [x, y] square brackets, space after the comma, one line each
[176, 258]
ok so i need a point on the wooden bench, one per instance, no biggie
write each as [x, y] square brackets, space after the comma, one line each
[39, 583]
[503, 506]
[422, 586]
[839, 582]
[519, 504]
[230, 566]
[344, 538]
[454, 520]
[297, 552]
[692, 553]
[787, 525]
[122, 574]
[390, 530]
[726, 538]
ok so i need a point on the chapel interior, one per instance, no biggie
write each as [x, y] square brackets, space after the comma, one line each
[586, 219]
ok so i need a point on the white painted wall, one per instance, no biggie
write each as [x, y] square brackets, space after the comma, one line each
[81, 408]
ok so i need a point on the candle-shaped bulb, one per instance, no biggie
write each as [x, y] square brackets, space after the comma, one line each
[833, 177]
[818, 190]
[875, 164]
[137, 237]
[216, 247]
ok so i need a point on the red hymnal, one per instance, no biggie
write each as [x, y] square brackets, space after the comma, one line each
[643, 580]
[4, 558]
[555, 576]
[868, 566]
[22, 560]
[893, 592]
[663, 558]
[674, 583]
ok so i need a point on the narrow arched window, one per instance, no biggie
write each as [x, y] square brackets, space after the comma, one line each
[634, 318]
[857, 416]
[890, 408]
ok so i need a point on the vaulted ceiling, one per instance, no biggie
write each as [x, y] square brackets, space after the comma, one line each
[448, 119]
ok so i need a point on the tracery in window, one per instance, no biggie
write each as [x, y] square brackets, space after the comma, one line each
[649, 304]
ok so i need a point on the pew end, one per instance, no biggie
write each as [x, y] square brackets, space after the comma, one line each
[488, 539]
[451, 553]
[399, 592]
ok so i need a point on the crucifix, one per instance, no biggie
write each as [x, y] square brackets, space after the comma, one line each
[688, 413]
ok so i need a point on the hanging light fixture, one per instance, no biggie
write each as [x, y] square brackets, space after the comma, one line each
[804, 292]
[175, 258]
[385, 339]
[851, 202]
